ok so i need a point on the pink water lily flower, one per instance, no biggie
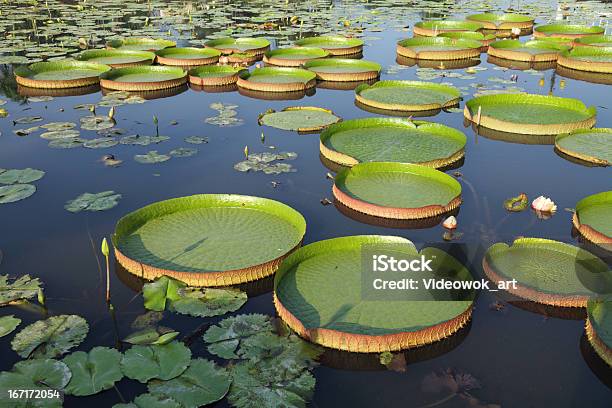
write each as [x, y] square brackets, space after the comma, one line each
[544, 204]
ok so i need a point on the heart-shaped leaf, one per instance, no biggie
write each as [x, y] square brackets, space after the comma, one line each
[93, 372]
[163, 362]
[8, 324]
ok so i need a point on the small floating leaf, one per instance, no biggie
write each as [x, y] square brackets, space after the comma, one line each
[51, 337]
[93, 202]
[225, 337]
[517, 204]
[183, 152]
[101, 143]
[162, 362]
[22, 288]
[38, 374]
[16, 192]
[92, 372]
[27, 120]
[196, 140]
[151, 157]
[8, 324]
[96, 122]
[208, 302]
[20, 176]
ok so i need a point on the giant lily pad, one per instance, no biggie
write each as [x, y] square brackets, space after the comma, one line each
[392, 140]
[599, 327]
[566, 30]
[60, 74]
[214, 75]
[277, 79]
[92, 372]
[594, 41]
[20, 176]
[531, 51]
[589, 145]
[529, 114]
[143, 78]
[140, 44]
[299, 118]
[591, 59]
[397, 190]
[201, 384]
[228, 45]
[334, 44]
[117, 57]
[18, 289]
[320, 293]
[16, 192]
[293, 57]
[547, 271]
[484, 39]
[435, 27]
[225, 338]
[500, 23]
[343, 70]
[187, 56]
[51, 337]
[8, 324]
[217, 239]
[592, 218]
[412, 96]
[438, 48]
[162, 362]
[38, 374]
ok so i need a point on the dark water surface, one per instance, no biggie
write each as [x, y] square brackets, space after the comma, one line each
[521, 358]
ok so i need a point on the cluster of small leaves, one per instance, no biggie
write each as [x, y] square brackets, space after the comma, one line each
[265, 162]
[167, 293]
[102, 201]
[17, 184]
[226, 115]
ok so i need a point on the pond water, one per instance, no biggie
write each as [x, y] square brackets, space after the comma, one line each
[520, 357]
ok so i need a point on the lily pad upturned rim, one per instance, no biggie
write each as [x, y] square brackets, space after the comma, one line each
[304, 79]
[137, 218]
[356, 342]
[197, 76]
[508, 49]
[468, 48]
[256, 45]
[275, 57]
[349, 45]
[311, 129]
[400, 213]
[594, 327]
[24, 73]
[454, 95]
[505, 21]
[593, 40]
[471, 113]
[526, 290]
[582, 156]
[588, 232]
[139, 57]
[348, 161]
[566, 30]
[153, 44]
[172, 56]
[367, 70]
[431, 28]
[483, 38]
[577, 59]
[109, 79]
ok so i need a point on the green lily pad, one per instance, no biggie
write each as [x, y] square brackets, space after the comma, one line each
[55, 126]
[599, 326]
[469, 35]
[306, 287]
[92, 372]
[229, 45]
[117, 57]
[66, 143]
[8, 324]
[294, 56]
[500, 20]
[342, 69]
[183, 152]
[143, 74]
[266, 162]
[141, 44]
[517, 50]
[150, 401]
[225, 338]
[160, 293]
[438, 48]
[278, 75]
[93, 202]
[441, 26]
[51, 337]
[16, 192]
[216, 73]
[26, 120]
[96, 122]
[591, 145]
[550, 268]
[544, 114]
[137, 140]
[101, 143]
[37, 374]
[196, 140]
[163, 362]
[60, 134]
[594, 212]
[407, 95]
[20, 176]
[218, 232]
[397, 185]
[21, 288]
[187, 56]
[595, 40]
[299, 118]
[151, 157]
[335, 44]
[561, 30]
[393, 140]
[61, 71]
[599, 55]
